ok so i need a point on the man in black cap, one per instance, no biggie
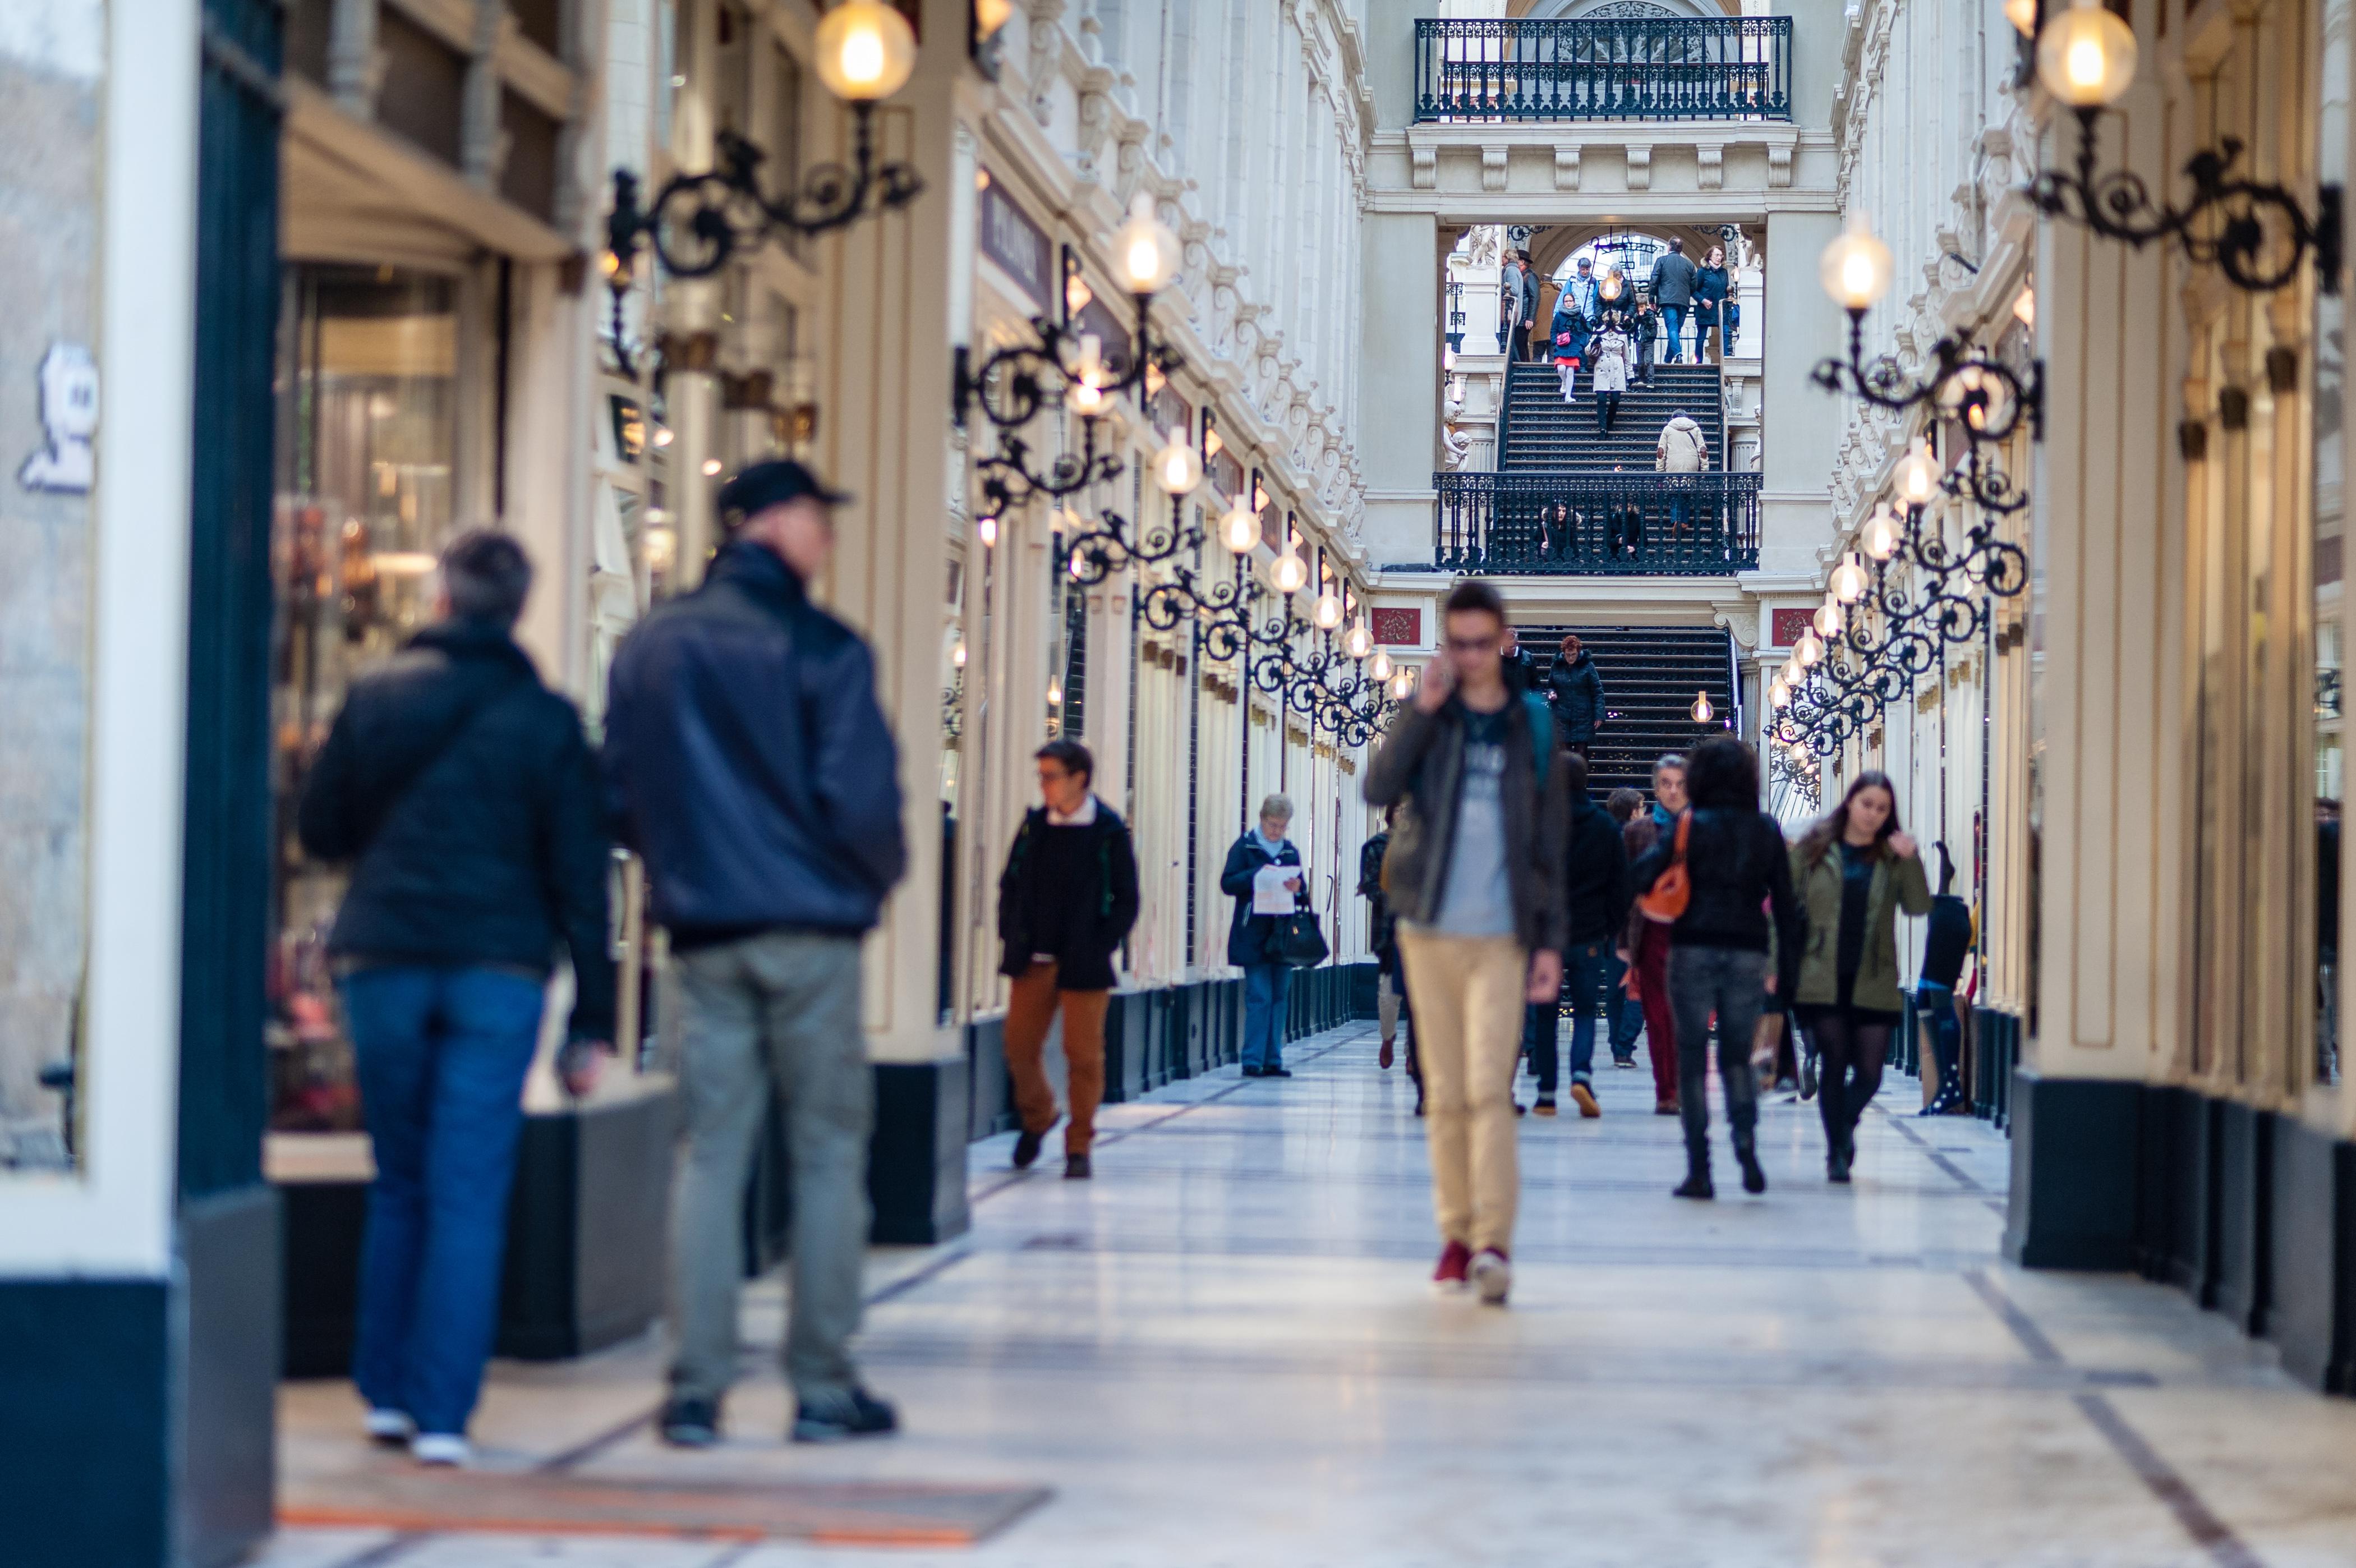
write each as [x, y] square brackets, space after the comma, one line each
[747, 760]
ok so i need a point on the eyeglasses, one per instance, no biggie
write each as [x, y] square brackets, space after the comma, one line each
[1474, 644]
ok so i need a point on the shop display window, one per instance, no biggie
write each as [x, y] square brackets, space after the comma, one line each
[367, 394]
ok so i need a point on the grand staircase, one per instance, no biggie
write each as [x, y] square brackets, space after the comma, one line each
[1543, 432]
[1651, 674]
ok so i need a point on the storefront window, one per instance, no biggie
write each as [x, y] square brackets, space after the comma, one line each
[368, 435]
[2329, 565]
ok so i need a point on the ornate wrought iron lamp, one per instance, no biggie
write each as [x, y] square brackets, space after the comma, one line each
[2256, 233]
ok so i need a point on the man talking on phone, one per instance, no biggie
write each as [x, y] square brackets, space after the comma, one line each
[1474, 874]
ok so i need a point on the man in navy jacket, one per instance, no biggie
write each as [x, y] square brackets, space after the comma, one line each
[747, 760]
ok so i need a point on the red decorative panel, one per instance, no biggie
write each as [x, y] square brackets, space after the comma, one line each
[1791, 626]
[1399, 627]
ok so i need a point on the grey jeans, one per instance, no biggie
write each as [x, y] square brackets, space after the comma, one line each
[1732, 982]
[772, 1015]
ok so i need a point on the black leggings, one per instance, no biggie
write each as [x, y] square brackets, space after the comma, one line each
[1853, 1049]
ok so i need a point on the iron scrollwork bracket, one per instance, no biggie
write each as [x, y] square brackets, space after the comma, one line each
[2256, 233]
[1988, 397]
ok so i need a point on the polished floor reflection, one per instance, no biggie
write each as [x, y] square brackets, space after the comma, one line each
[1223, 1352]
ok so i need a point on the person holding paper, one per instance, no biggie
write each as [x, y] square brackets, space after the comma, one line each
[1265, 877]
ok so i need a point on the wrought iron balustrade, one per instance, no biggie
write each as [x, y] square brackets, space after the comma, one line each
[1612, 68]
[1533, 522]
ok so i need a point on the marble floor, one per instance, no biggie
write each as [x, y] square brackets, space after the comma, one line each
[1223, 1352]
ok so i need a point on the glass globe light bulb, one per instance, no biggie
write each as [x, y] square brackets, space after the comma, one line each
[957, 654]
[1328, 612]
[1176, 468]
[1289, 573]
[1701, 711]
[1855, 268]
[2086, 56]
[1144, 250]
[1054, 692]
[1239, 530]
[989, 16]
[1880, 535]
[865, 50]
[1809, 650]
[1918, 474]
[1086, 396]
[988, 531]
[1380, 666]
[1361, 640]
[1778, 694]
[1792, 675]
[1828, 617]
[1403, 684]
[2023, 15]
[1849, 579]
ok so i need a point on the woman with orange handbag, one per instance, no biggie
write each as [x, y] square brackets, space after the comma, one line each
[1721, 882]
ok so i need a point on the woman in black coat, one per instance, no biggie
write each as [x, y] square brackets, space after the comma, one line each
[1252, 938]
[1724, 951]
[1712, 283]
[1576, 690]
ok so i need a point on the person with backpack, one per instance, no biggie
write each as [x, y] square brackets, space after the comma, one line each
[1474, 873]
[1855, 870]
[1946, 943]
[1066, 904]
[1722, 885]
[748, 762]
[1253, 939]
[462, 792]
[1595, 908]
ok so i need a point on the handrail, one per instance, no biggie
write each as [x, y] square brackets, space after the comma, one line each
[1525, 522]
[1616, 68]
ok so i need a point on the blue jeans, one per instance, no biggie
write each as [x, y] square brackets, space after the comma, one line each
[1935, 1005]
[1673, 318]
[442, 1055]
[1587, 968]
[1267, 988]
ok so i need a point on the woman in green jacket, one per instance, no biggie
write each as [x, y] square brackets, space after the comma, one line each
[1853, 872]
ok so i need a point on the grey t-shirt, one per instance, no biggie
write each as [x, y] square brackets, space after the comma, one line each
[1478, 899]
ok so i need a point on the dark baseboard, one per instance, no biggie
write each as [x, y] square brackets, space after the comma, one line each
[2240, 1273]
[87, 1444]
[225, 1499]
[2311, 1285]
[2074, 1173]
[915, 1161]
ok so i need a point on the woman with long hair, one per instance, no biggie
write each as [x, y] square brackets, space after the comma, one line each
[1854, 871]
[1738, 875]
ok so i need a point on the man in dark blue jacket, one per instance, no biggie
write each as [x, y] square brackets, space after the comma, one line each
[1673, 291]
[461, 791]
[747, 760]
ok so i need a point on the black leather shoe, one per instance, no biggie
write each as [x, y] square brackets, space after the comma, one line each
[1276, 1072]
[855, 1414]
[1255, 1072]
[690, 1423]
[1695, 1185]
[1077, 1167]
[1026, 1149]
[1754, 1178]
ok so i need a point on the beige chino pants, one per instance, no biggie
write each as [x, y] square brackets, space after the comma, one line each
[1466, 994]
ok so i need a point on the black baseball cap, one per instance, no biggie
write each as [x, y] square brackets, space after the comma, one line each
[774, 482]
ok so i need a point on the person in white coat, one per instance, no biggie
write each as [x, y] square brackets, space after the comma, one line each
[1682, 449]
[1611, 350]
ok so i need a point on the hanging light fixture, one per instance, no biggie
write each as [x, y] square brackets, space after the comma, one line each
[1779, 695]
[1809, 650]
[1289, 573]
[957, 654]
[1087, 395]
[1855, 268]
[1054, 692]
[1918, 473]
[1403, 683]
[1701, 711]
[1362, 638]
[864, 50]
[1850, 580]
[1328, 612]
[986, 530]
[1379, 667]
[1881, 536]
[1829, 618]
[1239, 529]
[2086, 56]
[1145, 252]
[1176, 468]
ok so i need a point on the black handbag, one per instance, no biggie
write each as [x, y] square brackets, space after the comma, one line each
[1299, 943]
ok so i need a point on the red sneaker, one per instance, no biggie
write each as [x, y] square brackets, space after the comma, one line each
[1454, 1262]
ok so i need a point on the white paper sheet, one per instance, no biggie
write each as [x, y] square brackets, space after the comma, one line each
[1270, 894]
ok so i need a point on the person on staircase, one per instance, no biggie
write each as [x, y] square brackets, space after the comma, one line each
[1711, 284]
[1681, 449]
[1575, 689]
[1066, 904]
[1609, 350]
[1736, 872]
[1475, 874]
[1511, 321]
[1573, 325]
[1946, 943]
[1673, 291]
[1855, 870]
[1645, 327]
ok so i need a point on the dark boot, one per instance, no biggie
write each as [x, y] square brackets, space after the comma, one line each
[1697, 1183]
[1746, 1154]
[1837, 1157]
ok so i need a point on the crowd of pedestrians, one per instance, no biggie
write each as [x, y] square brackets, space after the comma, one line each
[747, 761]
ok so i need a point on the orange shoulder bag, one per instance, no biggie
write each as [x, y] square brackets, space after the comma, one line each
[1671, 890]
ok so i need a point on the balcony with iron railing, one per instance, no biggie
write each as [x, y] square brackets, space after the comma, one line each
[1586, 524]
[1615, 68]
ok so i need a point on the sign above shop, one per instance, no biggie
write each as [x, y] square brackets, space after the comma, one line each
[1791, 624]
[1227, 474]
[1010, 238]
